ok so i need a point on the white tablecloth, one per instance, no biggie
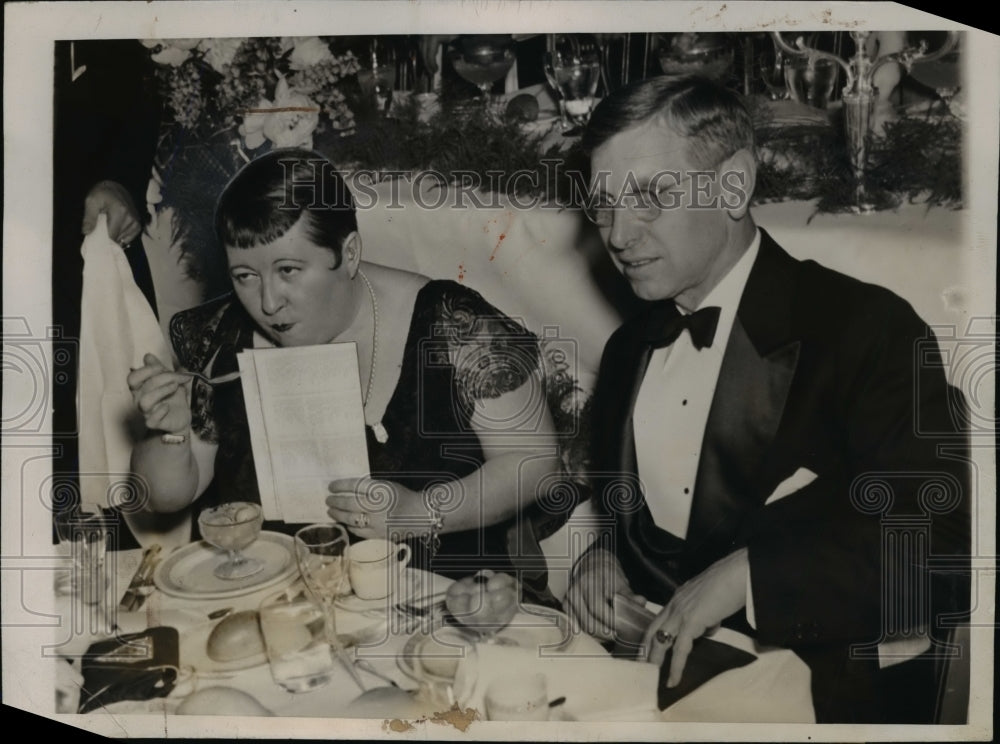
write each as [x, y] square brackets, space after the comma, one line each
[773, 688]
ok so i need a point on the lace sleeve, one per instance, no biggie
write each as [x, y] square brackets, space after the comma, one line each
[491, 353]
[193, 336]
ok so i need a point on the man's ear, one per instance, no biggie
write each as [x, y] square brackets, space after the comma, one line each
[737, 180]
[350, 252]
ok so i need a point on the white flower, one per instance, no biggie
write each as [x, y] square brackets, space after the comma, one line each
[291, 128]
[220, 52]
[283, 127]
[171, 55]
[252, 128]
[308, 52]
[174, 52]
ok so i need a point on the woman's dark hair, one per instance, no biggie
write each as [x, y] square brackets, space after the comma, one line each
[270, 194]
[712, 118]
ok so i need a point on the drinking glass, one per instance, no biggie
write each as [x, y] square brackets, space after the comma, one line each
[298, 653]
[482, 60]
[377, 78]
[319, 550]
[573, 69]
[232, 527]
[85, 529]
[811, 81]
[772, 74]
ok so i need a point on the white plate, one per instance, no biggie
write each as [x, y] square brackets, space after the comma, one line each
[534, 626]
[188, 571]
[194, 653]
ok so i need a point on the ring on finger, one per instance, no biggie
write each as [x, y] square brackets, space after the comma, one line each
[663, 636]
[360, 520]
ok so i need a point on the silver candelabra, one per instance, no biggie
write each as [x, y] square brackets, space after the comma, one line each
[860, 93]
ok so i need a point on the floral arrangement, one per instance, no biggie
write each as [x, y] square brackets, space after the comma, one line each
[280, 90]
[227, 100]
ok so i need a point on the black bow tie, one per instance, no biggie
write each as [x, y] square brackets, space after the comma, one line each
[667, 323]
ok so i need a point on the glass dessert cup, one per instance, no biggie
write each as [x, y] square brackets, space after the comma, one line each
[233, 527]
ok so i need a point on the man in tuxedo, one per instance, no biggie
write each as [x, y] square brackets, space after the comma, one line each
[775, 414]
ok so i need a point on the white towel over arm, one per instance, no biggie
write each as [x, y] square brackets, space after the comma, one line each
[117, 328]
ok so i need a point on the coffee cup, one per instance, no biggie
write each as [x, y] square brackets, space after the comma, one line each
[373, 567]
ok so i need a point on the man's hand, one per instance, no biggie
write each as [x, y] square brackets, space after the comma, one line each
[596, 578]
[111, 198]
[697, 606]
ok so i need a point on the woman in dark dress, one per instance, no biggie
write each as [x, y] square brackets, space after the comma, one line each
[459, 435]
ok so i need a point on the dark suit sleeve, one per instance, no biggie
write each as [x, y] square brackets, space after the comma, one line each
[846, 557]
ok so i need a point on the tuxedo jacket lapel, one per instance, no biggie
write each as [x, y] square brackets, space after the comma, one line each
[649, 553]
[757, 371]
[754, 380]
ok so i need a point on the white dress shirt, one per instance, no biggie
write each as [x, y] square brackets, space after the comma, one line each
[674, 399]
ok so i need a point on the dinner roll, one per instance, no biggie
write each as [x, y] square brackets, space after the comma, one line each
[236, 637]
[221, 701]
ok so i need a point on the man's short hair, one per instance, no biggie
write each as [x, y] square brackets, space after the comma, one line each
[712, 118]
[272, 193]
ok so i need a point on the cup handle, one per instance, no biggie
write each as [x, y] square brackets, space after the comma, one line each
[405, 550]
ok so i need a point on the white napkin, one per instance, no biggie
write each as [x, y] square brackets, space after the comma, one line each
[117, 328]
[596, 688]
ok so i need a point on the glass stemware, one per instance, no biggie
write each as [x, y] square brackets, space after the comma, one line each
[378, 77]
[772, 75]
[811, 81]
[482, 60]
[319, 550]
[573, 69]
[233, 527]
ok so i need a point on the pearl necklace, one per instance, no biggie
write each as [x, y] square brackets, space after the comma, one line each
[381, 435]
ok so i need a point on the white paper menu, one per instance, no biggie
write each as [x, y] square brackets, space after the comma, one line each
[307, 425]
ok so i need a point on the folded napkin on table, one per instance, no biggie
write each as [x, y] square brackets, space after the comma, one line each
[708, 659]
[596, 688]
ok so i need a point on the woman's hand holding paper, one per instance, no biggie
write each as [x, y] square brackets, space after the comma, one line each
[367, 505]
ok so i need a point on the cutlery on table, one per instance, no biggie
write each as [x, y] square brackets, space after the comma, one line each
[142, 580]
[422, 605]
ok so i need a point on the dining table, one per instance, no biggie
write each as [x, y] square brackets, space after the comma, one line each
[585, 682]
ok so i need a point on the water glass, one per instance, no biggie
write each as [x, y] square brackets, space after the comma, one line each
[811, 81]
[294, 630]
[85, 528]
[573, 69]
